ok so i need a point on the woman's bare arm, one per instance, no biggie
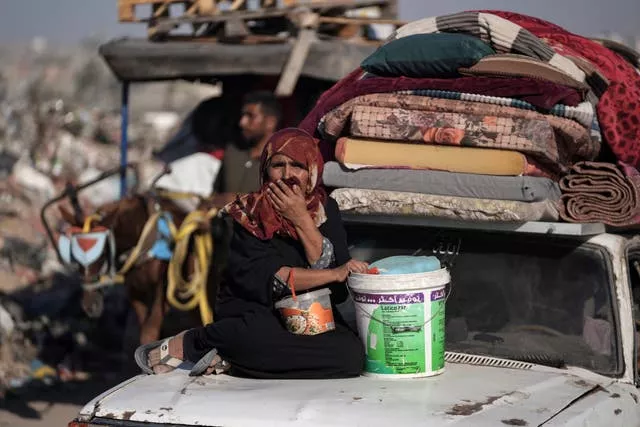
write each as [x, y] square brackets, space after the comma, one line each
[305, 279]
[310, 238]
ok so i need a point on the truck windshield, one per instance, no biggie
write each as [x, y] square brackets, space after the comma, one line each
[522, 297]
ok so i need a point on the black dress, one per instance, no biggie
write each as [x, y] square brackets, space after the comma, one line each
[248, 332]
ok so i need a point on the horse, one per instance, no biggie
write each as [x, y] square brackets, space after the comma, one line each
[128, 233]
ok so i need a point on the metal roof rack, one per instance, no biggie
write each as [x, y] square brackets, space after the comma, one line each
[531, 227]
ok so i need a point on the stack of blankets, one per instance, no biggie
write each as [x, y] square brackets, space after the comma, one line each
[485, 116]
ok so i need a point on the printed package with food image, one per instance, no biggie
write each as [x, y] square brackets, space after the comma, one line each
[307, 314]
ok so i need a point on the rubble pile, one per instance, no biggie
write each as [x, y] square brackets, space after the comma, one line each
[60, 125]
[35, 166]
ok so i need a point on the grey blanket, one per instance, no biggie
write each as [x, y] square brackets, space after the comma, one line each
[517, 188]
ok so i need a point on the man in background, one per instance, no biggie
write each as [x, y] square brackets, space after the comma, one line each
[240, 171]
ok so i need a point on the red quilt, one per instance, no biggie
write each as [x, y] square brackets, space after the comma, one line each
[619, 107]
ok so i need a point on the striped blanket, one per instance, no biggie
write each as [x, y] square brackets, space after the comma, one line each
[584, 113]
[505, 37]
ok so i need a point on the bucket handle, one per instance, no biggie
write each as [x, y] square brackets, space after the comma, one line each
[291, 284]
[401, 329]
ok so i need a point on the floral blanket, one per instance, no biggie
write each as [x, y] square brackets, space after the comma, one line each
[528, 136]
[583, 113]
[555, 141]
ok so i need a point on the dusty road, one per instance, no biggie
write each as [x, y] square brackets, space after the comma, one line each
[51, 407]
[41, 414]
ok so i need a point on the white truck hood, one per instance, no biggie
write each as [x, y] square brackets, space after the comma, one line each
[464, 395]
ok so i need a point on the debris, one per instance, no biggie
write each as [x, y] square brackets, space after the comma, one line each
[466, 409]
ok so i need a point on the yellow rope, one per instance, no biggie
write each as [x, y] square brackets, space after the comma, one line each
[86, 227]
[145, 242]
[188, 294]
[182, 294]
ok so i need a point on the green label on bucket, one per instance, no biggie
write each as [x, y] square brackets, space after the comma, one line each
[437, 329]
[395, 336]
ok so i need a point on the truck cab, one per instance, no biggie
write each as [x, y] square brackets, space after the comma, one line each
[540, 330]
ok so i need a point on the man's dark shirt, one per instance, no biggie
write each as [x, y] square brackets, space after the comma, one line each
[239, 173]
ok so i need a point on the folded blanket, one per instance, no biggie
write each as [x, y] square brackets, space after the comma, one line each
[529, 136]
[513, 65]
[583, 113]
[572, 141]
[517, 188]
[601, 192]
[366, 153]
[378, 202]
[544, 95]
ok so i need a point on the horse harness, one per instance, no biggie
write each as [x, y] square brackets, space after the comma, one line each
[160, 239]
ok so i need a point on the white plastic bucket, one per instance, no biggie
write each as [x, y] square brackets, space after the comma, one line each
[400, 320]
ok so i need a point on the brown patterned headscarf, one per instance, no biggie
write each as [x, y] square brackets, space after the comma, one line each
[255, 212]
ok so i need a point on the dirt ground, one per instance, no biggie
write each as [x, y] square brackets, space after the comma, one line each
[50, 407]
[40, 414]
[58, 404]
[55, 405]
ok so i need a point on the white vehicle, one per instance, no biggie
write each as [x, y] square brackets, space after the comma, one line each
[540, 331]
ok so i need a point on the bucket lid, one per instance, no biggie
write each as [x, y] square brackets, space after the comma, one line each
[398, 282]
[318, 293]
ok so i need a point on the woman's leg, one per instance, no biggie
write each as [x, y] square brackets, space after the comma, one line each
[257, 345]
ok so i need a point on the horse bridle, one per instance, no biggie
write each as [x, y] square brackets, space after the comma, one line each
[85, 247]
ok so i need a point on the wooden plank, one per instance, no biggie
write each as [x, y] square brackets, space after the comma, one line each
[359, 21]
[125, 12]
[293, 67]
[251, 39]
[140, 2]
[160, 29]
[200, 14]
[213, 14]
[161, 10]
[126, 8]
[352, 28]
[235, 29]
[207, 7]
[236, 4]
[193, 9]
[390, 10]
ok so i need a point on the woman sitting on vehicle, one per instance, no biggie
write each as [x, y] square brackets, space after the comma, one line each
[287, 230]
